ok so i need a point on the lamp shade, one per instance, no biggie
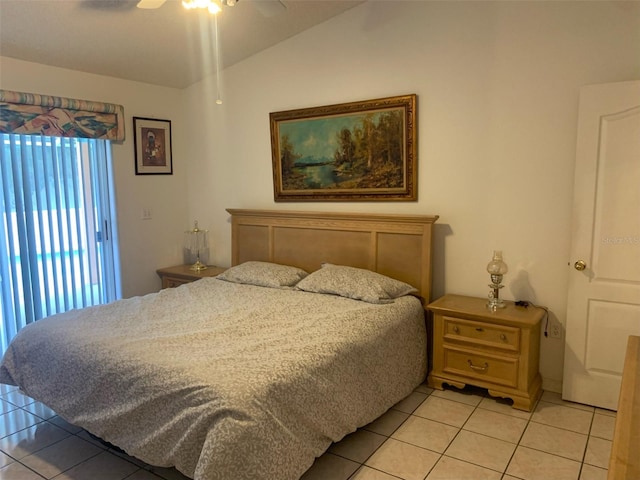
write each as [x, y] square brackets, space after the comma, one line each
[197, 246]
[497, 266]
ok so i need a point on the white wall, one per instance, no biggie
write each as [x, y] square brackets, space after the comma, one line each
[145, 244]
[497, 86]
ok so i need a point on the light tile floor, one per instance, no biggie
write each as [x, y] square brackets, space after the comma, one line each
[430, 435]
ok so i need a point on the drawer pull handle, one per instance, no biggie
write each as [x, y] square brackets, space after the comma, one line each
[476, 367]
[456, 330]
[503, 337]
[478, 329]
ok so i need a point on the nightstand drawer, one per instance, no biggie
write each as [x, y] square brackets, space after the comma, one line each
[482, 334]
[465, 363]
[172, 282]
[180, 274]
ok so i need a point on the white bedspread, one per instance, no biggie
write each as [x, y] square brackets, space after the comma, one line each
[220, 380]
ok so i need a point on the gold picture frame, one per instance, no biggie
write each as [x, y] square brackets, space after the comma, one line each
[357, 151]
[152, 146]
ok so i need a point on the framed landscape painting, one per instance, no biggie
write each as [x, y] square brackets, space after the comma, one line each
[358, 151]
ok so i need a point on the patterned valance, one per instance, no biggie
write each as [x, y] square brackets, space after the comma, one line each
[29, 113]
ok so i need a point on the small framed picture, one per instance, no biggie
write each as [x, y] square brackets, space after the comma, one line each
[152, 144]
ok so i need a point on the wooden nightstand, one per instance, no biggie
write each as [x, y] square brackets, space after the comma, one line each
[497, 350]
[175, 276]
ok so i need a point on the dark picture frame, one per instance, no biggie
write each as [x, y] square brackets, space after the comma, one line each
[357, 151]
[152, 146]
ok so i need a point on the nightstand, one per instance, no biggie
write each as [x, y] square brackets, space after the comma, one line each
[175, 276]
[497, 350]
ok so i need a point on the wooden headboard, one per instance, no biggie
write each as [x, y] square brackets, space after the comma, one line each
[398, 246]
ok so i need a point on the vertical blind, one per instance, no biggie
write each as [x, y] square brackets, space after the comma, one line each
[58, 238]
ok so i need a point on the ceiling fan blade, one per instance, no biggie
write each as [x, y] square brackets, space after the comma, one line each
[150, 3]
[269, 8]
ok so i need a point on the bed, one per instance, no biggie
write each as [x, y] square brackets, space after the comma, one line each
[316, 330]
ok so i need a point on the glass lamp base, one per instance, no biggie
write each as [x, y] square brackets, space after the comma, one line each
[494, 304]
[198, 266]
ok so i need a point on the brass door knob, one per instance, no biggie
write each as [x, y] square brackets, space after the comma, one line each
[580, 265]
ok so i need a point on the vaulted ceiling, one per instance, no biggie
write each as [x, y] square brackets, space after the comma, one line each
[167, 46]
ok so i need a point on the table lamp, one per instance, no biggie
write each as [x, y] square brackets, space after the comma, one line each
[196, 241]
[496, 268]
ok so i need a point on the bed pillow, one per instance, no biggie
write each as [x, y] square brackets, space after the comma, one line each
[355, 283]
[264, 274]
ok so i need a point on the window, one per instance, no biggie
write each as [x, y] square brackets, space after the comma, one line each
[58, 235]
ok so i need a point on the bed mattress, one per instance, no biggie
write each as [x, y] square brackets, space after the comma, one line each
[223, 380]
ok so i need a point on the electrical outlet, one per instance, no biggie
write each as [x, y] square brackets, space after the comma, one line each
[555, 331]
[146, 213]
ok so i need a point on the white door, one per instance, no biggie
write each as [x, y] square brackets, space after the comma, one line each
[603, 306]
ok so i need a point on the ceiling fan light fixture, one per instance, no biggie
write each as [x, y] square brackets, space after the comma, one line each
[150, 4]
[213, 6]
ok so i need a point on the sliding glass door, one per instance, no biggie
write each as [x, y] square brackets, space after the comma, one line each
[58, 235]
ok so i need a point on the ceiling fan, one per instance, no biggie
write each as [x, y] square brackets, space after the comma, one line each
[268, 8]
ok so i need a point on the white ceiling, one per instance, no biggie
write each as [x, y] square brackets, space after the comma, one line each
[169, 46]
